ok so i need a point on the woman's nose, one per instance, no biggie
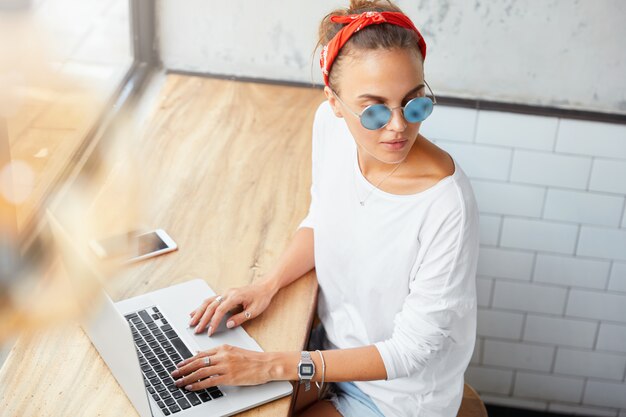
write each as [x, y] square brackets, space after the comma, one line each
[397, 122]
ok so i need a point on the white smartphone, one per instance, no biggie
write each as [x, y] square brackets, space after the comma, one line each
[134, 245]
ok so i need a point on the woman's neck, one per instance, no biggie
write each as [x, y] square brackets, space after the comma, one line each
[373, 167]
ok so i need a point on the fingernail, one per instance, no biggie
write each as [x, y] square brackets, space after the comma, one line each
[179, 364]
[190, 321]
[188, 387]
[178, 383]
[197, 329]
[230, 324]
[210, 332]
[175, 373]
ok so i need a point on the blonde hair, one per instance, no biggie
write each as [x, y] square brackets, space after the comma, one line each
[380, 36]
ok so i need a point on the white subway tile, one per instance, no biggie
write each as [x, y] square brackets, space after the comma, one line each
[583, 207]
[545, 168]
[517, 355]
[596, 305]
[489, 379]
[529, 297]
[602, 243]
[590, 364]
[570, 271]
[477, 351]
[503, 324]
[617, 281]
[591, 138]
[484, 286]
[516, 130]
[560, 331]
[489, 229]
[578, 410]
[548, 387]
[479, 161]
[608, 175]
[607, 394]
[438, 125]
[624, 219]
[540, 235]
[612, 337]
[506, 198]
[513, 402]
[505, 263]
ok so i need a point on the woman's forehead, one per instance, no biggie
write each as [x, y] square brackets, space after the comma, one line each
[384, 73]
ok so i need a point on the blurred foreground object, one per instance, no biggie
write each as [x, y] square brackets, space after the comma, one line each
[34, 289]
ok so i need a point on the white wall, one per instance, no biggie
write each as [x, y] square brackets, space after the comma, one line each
[559, 53]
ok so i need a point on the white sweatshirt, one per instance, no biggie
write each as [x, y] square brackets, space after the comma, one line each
[398, 273]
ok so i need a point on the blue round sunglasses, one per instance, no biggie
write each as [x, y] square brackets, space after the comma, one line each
[377, 116]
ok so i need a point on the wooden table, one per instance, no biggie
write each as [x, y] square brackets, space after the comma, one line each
[225, 168]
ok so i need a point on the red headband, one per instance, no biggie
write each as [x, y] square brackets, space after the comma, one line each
[355, 23]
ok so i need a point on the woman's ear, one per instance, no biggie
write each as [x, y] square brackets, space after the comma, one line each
[332, 100]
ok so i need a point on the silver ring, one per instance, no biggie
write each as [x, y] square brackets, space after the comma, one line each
[219, 299]
[247, 314]
[206, 360]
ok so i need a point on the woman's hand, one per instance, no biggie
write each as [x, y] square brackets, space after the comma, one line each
[223, 365]
[254, 298]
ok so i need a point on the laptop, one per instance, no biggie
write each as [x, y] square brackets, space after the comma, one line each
[142, 338]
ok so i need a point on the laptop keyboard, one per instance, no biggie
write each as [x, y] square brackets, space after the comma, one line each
[159, 349]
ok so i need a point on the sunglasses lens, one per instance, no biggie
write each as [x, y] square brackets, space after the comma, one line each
[418, 109]
[376, 116]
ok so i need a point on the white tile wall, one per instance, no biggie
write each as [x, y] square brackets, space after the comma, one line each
[538, 235]
[548, 387]
[506, 198]
[551, 276]
[472, 158]
[484, 288]
[529, 297]
[545, 168]
[584, 207]
[577, 410]
[489, 379]
[560, 331]
[608, 394]
[571, 271]
[617, 282]
[596, 305]
[515, 355]
[612, 337]
[591, 138]
[490, 229]
[602, 242]
[588, 363]
[438, 126]
[516, 130]
[608, 175]
[493, 323]
[505, 263]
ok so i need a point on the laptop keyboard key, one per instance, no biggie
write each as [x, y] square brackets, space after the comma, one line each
[181, 348]
[170, 401]
[146, 317]
[216, 394]
[161, 404]
[177, 394]
[184, 404]
[204, 396]
[193, 399]
[174, 409]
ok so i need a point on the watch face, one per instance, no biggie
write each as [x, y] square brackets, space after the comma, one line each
[306, 369]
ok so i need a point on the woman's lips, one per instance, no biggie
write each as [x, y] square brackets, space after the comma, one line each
[395, 145]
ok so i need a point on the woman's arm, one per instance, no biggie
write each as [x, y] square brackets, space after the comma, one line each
[296, 260]
[354, 364]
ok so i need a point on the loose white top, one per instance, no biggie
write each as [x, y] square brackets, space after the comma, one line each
[398, 273]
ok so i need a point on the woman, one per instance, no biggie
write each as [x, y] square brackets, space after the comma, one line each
[395, 244]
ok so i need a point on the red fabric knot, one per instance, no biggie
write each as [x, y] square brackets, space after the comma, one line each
[356, 22]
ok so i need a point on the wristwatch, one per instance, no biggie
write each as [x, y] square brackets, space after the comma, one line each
[306, 369]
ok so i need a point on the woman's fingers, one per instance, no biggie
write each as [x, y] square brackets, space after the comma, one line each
[226, 305]
[197, 313]
[198, 355]
[202, 373]
[240, 318]
[195, 364]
